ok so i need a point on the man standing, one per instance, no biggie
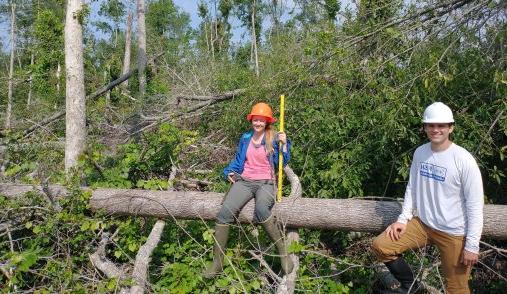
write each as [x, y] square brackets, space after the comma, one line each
[443, 206]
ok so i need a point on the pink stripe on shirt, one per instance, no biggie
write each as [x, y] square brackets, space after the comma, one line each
[257, 165]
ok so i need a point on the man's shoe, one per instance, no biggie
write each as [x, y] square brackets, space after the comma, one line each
[403, 273]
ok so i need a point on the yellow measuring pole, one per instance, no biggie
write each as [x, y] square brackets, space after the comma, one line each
[280, 155]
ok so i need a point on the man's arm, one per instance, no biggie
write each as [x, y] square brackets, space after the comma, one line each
[408, 201]
[398, 228]
[474, 204]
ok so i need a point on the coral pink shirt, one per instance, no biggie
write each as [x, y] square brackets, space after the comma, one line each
[257, 165]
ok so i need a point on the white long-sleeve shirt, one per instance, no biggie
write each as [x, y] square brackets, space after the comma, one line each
[445, 191]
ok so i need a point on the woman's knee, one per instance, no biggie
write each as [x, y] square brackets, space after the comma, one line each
[226, 215]
[262, 213]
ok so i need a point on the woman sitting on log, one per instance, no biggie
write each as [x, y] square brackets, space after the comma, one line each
[252, 175]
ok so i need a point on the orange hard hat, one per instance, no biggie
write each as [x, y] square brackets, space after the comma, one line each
[261, 109]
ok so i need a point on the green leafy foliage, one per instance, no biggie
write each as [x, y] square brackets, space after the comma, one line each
[145, 165]
[356, 87]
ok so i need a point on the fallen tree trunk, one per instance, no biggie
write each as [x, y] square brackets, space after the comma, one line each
[223, 96]
[331, 214]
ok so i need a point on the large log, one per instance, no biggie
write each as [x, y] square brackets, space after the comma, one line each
[331, 214]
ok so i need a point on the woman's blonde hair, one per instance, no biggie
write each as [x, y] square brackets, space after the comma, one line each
[269, 136]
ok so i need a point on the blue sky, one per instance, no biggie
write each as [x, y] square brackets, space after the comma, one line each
[188, 6]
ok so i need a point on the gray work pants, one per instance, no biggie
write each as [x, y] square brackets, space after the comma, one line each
[240, 193]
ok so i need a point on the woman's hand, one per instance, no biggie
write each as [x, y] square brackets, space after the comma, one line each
[282, 137]
[230, 177]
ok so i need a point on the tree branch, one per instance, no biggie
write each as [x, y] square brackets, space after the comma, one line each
[288, 285]
[143, 258]
[100, 261]
[208, 102]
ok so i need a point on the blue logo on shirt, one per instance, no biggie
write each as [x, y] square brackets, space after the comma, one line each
[432, 171]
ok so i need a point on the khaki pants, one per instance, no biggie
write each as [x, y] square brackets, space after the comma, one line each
[419, 235]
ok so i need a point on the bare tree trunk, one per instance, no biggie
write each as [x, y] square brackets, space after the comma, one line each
[206, 36]
[126, 58]
[29, 99]
[58, 76]
[275, 13]
[252, 47]
[108, 93]
[141, 40]
[220, 38]
[314, 213]
[75, 123]
[212, 40]
[11, 67]
[254, 41]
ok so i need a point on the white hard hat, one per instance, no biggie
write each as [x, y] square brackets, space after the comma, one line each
[438, 112]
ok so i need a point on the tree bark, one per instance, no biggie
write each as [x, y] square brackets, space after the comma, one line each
[108, 93]
[29, 99]
[206, 37]
[58, 76]
[100, 261]
[313, 213]
[141, 40]
[143, 258]
[126, 58]
[254, 41]
[8, 112]
[75, 123]
[288, 284]
[212, 40]
[223, 96]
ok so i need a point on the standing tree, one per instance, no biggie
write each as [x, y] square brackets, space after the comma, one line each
[115, 10]
[224, 7]
[126, 58]
[203, 13]
[30, 80]
[168, 31]
[11, 67]
[141, 43]
[48, 46]
[75, 131]
[332, 8]
[254, 39]
[249, 12]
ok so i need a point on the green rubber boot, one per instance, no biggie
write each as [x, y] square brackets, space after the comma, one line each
[274, 233]
[221, 236]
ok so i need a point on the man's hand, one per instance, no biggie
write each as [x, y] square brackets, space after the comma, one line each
[230, 177]
[469, 258]
[395, 230]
